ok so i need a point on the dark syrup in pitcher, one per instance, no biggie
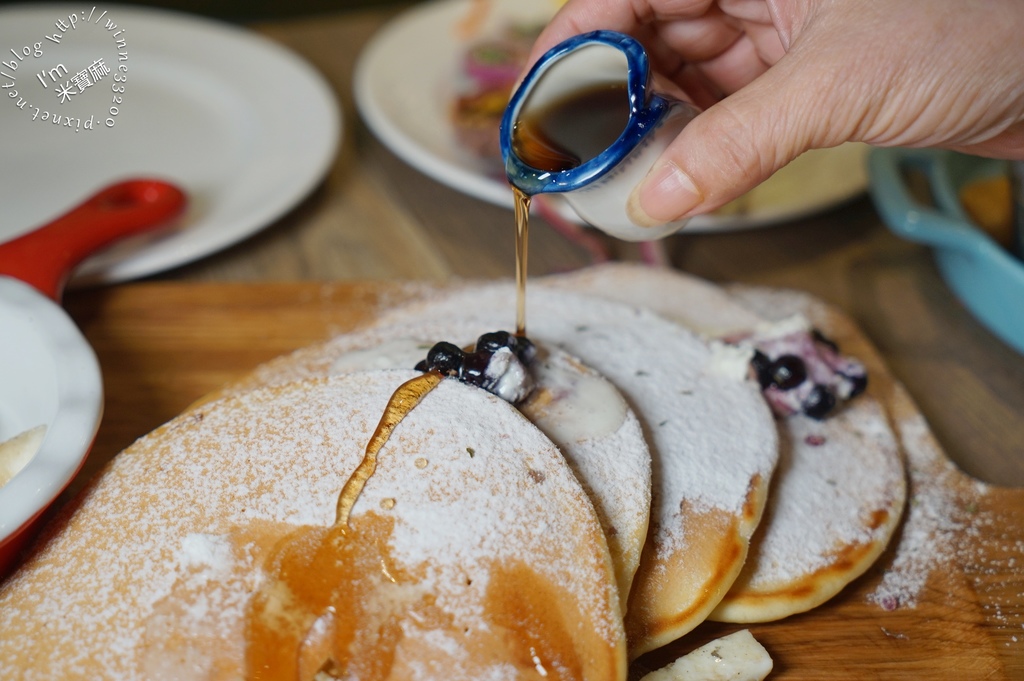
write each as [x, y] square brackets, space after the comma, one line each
[557, 137]
[569, 131]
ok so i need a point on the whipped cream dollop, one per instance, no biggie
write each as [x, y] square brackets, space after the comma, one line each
[798, 368]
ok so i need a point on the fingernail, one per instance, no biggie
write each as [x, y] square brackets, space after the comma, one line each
[666, 194]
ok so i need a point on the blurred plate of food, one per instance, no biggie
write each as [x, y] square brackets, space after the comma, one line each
[246, 127]
[432, 85]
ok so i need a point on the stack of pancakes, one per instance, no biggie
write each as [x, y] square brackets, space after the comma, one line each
[636, 493]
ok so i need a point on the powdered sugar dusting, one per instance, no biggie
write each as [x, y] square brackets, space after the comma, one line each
[934, 523]
[709, 434]
[699, 305]
[609, 457]
[952, 520]
[955, 525]
[946, 527]
[713, 441]
[834, 476]
[182, 501]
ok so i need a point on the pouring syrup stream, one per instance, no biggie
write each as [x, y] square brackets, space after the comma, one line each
[522, 208]
[561, 136]
[302, 559]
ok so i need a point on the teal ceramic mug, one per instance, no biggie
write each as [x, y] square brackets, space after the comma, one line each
[987, 278]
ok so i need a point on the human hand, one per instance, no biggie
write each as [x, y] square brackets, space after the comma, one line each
[779, 77]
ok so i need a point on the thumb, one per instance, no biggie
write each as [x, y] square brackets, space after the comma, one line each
[735, 145]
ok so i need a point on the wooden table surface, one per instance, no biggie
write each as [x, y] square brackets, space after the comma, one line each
[376, 218]
[162, 344]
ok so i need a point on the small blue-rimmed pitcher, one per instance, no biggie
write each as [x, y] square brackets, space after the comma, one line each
[599, 187]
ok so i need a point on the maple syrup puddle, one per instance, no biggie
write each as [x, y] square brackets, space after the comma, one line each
[311, 613]
[336, 601]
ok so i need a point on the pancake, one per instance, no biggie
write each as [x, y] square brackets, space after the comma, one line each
[579, 410]
[831, 512]
[713, 441]
[212, 544]
[839, 489]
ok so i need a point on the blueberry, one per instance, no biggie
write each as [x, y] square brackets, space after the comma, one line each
[824, 340]
[859, 381]
[474, 368]
[522, 346]
[494, 341]
[762, 367]
[819, 402]
[525, 349]
[788, 371]
[446, 358]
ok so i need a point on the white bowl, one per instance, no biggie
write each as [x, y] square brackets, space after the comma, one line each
[49, 375]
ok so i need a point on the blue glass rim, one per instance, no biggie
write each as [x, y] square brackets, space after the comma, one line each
[645, 109]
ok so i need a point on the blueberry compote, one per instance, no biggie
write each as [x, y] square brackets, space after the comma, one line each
[498, 364]
[802, 371]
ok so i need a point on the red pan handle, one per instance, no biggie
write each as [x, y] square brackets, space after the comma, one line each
[45, 257]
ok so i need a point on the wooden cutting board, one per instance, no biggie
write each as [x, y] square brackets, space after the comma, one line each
[164, 345]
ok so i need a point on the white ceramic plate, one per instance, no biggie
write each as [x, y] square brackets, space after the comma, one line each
[49, 376]
[243, 125]
[407, 79]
